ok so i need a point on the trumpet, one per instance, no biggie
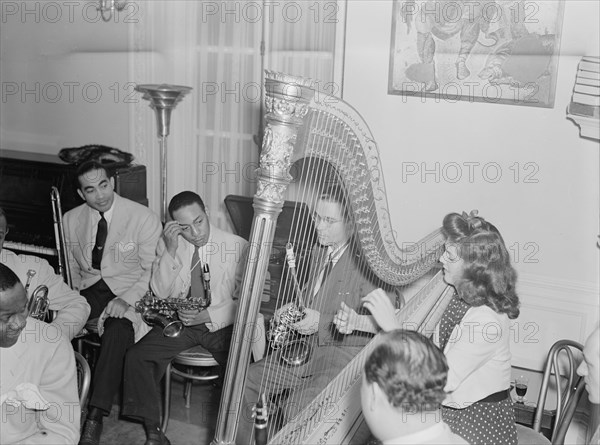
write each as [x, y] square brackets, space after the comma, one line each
[59, 237]
[38, 303]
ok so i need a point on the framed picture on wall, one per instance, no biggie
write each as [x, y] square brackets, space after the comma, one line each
[495, 51]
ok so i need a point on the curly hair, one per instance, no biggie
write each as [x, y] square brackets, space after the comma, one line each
[410, 369]
[488, 277]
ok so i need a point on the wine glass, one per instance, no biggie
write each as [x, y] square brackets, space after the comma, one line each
[521, 383]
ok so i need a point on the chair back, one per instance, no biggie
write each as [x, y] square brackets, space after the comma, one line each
[84, 378]
[562, 424]
[568, 394]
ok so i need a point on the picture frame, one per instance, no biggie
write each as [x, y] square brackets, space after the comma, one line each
[494, 51]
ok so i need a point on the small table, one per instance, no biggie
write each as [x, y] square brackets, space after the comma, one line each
[525, 413]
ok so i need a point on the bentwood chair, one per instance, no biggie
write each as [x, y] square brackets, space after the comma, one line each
[196, 357]
[569, 390]
[84, 379]
[88, 342]
[199, 357]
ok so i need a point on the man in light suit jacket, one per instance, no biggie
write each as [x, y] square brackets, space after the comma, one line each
[345, 280]
[113, 242]
[188, 244]
[38, 381]
[72, 310]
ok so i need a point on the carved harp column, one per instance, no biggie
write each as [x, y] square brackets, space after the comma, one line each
[286, 107]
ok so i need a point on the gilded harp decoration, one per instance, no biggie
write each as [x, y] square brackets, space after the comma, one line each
[302, 123]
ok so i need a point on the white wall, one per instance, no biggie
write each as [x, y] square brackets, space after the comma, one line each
[64, 76]
[550, 225]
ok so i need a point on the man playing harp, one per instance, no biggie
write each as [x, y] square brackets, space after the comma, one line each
[337, 274]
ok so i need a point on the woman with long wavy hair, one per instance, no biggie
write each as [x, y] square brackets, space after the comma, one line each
[474, 330]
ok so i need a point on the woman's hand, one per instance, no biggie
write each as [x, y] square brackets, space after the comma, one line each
[346, 319]
[382, 309]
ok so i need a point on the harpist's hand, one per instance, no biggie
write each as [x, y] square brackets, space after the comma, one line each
[382, 309]
[309, 324]
[346, 319]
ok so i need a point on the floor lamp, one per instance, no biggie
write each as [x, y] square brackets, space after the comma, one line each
[163, 98]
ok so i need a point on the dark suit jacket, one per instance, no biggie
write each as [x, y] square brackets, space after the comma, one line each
[349, 281]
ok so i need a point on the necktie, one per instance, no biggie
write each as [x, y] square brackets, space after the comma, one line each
[197, 282]
[100, 241]
[451, 317]
[325, 270]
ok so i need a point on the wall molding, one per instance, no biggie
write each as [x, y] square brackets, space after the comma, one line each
[569, 291]
[551, 309]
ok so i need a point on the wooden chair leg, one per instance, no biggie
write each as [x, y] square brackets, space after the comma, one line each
[167, 400]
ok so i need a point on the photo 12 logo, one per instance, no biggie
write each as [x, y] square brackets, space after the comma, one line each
[269, 11]
[67, 12]
[68, 92]
[470, 171]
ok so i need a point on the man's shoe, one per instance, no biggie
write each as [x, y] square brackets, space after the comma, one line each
[92, 430]
[156, 437]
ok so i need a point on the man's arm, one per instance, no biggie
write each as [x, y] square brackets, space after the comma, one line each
[165, 270]
[60, 423]
[73, 309]
[226, 293]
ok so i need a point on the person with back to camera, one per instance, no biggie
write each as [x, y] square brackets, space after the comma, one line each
[473, 331]
[402, 388]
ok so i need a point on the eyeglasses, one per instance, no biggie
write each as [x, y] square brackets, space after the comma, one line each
[329, 221]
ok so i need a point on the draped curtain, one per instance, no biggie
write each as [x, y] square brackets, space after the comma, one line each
[220, 49]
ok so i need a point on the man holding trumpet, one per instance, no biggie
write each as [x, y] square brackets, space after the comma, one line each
[71, 309]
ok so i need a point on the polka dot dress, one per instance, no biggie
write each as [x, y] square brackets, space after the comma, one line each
[452, 316]
[484, 423]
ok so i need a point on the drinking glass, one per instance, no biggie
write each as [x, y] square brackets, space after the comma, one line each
[521, 383]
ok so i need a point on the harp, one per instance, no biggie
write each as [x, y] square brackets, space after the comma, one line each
[303, 123]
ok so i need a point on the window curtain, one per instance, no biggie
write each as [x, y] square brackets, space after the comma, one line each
[220, 49]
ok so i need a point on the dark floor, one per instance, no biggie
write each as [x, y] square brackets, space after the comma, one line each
[187, 426]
